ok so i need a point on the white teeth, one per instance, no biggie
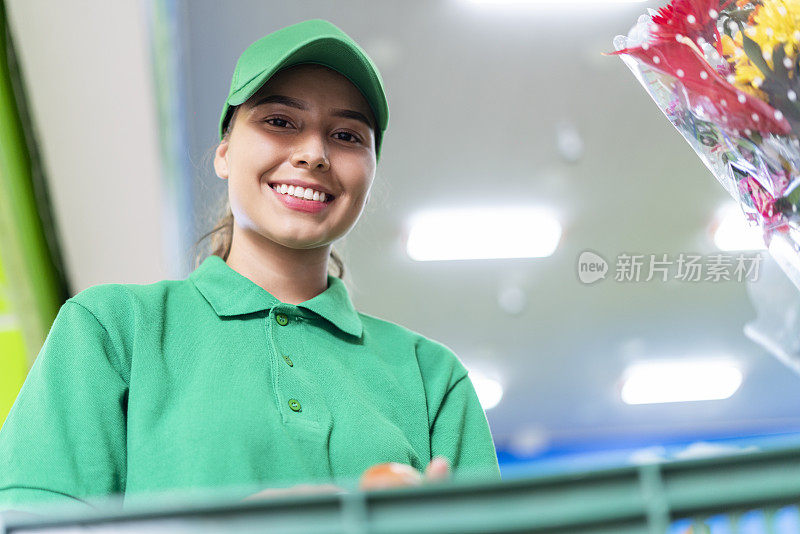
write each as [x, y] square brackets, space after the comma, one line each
[300, 192]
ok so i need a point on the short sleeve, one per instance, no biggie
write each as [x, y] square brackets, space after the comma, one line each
[64, 438]
[461, 433]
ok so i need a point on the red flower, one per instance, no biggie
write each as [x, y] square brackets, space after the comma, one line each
[673, 50]
[689, 18]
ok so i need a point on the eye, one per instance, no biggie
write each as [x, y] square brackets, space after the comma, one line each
[348, 137]
[281, 122]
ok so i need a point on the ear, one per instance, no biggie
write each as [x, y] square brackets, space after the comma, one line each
[221, 159]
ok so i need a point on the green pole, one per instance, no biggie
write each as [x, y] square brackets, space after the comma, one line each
[31, 288]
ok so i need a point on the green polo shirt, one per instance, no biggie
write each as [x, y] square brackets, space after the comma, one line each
[212, 382]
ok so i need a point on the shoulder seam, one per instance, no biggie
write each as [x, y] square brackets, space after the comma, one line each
[457, 381]
[117, 367]
[444, 399]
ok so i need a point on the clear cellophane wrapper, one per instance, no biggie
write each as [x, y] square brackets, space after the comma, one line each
[760, 170]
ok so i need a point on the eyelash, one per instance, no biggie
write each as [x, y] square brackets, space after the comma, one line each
[354, 136]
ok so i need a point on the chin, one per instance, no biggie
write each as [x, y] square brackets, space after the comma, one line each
[298, 243]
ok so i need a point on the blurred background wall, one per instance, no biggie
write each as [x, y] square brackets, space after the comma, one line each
[490, 105]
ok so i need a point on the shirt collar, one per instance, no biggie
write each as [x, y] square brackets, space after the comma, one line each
[231, 293]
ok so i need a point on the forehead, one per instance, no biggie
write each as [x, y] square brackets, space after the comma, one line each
[314, 83]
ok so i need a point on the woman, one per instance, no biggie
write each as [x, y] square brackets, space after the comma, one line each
[256, 370]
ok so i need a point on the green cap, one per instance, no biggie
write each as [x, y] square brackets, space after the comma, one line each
[311, 41]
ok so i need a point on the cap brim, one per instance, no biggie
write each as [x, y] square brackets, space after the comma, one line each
[332, 53]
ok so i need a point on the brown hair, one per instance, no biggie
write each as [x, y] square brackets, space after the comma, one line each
[222, 232]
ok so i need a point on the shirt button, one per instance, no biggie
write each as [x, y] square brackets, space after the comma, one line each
[294, 405]
[288, 361]
[282, 319]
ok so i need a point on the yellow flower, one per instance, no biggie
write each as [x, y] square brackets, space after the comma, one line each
[728, 46]
[773, 23]
[748, 79]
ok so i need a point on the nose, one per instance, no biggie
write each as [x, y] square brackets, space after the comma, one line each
[311, 153]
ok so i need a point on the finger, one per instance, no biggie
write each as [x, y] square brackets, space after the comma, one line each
[390, 475]
[438, 469]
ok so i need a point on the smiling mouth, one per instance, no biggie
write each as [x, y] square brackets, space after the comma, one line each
[328, 197]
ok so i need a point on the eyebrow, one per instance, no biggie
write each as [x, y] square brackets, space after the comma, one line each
[299, 104]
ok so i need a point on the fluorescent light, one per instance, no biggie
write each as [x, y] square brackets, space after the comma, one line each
[680, 381]
[482, 233]
[734, 232]
[489, 391]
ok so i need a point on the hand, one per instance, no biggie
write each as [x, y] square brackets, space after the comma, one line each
[300, 489]
[397, 475]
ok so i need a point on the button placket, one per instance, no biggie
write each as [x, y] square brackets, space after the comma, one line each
[284, 333]
[283, 320]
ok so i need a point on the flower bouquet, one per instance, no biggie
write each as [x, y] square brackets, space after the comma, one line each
[726, 74]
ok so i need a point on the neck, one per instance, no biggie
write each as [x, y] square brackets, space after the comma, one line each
[291, 275]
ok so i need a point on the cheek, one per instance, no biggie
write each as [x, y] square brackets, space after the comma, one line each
[360, 173]
[253, 155]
